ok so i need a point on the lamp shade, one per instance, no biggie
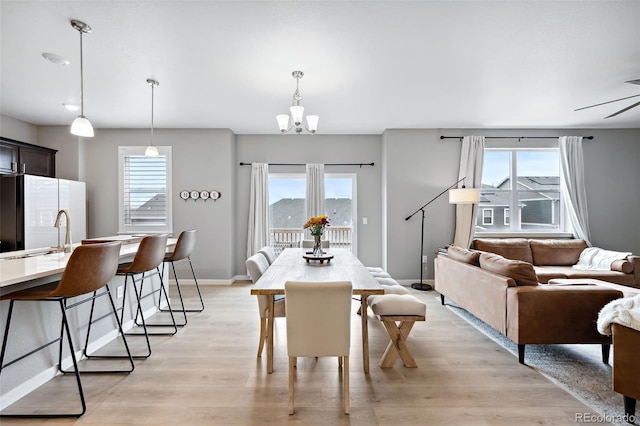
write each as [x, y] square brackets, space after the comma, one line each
[464, 196]
[283, 122]
[151, 151]
[296, 114]
[81, 126]
[312, 122]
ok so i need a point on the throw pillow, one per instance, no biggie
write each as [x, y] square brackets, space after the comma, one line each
[521, 272]
[622, 266]
[464, 255]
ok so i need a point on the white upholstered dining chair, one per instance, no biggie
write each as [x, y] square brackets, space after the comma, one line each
[268, 253]
[257, 265]
[319, 324]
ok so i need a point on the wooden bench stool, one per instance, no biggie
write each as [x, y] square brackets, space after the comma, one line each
[398, 313]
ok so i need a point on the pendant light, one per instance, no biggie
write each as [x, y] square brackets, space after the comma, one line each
[152, 150]
[81, 126]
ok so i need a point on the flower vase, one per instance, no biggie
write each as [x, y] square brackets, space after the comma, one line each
[317, 245]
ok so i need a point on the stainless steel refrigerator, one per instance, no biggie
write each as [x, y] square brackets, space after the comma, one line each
[28, 209]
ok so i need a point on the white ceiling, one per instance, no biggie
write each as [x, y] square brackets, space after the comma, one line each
[369, 65]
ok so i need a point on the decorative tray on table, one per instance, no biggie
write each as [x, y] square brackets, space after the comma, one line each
[309, 256]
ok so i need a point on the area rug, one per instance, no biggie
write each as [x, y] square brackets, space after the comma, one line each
[578, 369]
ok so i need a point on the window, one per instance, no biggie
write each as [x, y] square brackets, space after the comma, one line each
[525, 181]
[487, 216]
[144, 190]
[287, 216]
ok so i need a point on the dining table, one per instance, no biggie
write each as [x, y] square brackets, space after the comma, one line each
[296, 264]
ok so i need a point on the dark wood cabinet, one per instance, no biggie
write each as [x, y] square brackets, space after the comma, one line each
[20, 157]
[8, 158]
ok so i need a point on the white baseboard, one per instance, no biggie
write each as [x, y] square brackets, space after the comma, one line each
[211, 281]
[35, 382]
[407, 283]
[28, 386]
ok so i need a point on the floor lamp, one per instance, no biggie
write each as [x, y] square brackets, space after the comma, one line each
[456, 196]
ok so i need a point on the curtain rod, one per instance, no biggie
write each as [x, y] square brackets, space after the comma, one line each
[513, 137]
[303, 164]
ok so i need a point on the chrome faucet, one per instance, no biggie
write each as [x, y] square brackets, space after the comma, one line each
[67, 239]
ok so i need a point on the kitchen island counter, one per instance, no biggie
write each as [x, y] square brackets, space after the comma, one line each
[29, 268]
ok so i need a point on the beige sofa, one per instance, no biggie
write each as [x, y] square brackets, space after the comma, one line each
[554, 258]
[506, 294]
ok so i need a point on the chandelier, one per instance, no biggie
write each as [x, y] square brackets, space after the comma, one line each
[297, 111]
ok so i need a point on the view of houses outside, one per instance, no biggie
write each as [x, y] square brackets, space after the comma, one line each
[145, 181]
[531, 201]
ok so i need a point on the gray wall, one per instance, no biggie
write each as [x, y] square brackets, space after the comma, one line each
[411, 167]
[316, 149]
[18, 130]
[418, 166]
[201, 159]
[612, 175]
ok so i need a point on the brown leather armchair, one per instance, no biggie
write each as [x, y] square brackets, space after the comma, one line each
[626, 366]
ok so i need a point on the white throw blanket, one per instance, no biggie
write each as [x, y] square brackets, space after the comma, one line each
[624, 311]
[594, 258]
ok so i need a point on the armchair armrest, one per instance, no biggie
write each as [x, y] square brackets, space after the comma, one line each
[626, 365]
[636, 268]
[549, 314]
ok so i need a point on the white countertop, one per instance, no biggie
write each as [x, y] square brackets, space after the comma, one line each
[15, 269]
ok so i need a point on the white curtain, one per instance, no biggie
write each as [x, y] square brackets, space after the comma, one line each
[314, 203]
[315, 190]
[258, 230]
[471, 158]
[572, 186]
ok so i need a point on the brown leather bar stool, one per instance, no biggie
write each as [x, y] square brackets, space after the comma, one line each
[145, 264]
[89, 268]
[182, 253]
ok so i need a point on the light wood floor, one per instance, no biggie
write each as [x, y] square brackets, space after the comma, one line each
[208, 374]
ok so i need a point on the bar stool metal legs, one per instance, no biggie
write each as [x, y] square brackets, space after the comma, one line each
[182, 252]
[120, 333]
[139, 319]
[88, 269]
[182, 309]
[64, 330]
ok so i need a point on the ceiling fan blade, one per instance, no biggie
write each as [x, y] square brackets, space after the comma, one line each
[623, 110]
[633, 81]
[604, 103]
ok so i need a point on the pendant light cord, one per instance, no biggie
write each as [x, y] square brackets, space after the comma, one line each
[152, 90]
[81, 79]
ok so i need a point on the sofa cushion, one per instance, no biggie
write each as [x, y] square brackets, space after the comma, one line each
[522, 272]
[462, 254]
[511, 248]
[546, 273]
[610, 276]
[556, 252]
